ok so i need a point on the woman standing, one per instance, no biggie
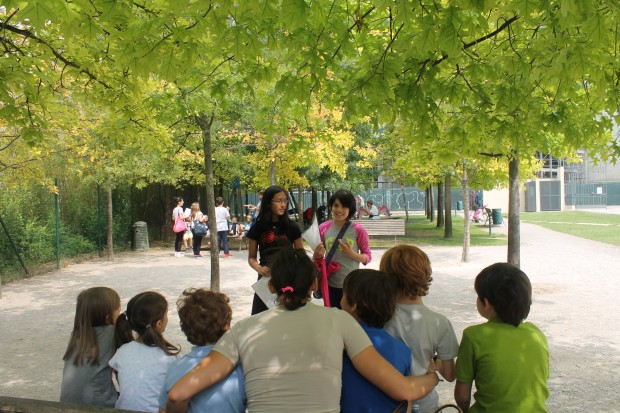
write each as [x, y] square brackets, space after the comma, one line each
[199, 231]
[351, 249]
[272, 232]
[176, 213]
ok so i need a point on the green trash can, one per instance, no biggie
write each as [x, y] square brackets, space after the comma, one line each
[497, 216]
[459, 205]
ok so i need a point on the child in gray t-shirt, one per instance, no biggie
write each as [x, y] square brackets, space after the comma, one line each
[87, 377]
[428, 334]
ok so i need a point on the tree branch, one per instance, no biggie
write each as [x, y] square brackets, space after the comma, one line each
[29, 35]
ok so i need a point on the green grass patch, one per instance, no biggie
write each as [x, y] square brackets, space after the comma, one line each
[590, 225]
[420, 231]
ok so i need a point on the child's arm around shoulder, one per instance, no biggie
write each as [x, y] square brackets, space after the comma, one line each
[211, 370]
[370, 364]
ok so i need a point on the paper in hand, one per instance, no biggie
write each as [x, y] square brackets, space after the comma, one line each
[262, 290]
[312, 235]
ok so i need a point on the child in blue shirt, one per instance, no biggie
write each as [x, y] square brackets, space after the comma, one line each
[205, 316]
[506, 357]
[370, 297]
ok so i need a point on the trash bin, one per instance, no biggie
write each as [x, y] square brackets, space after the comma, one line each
[459, 205]
[497, 216]
[140, 240]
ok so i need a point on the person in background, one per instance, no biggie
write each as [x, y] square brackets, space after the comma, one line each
[197, 217]
[506, 357]
[86, 376]
[221, 222]
[353, 248]
[272, 232]
[178, 212]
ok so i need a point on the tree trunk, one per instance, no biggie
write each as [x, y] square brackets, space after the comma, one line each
[300, 204]
[205, 122]
[447, 229]
[427, 209]
[440, 202]
[514, 206]
[110, 241]
[431, 206]
[329, 210]
[315, 201]
[466, 237]
[402, 191]
[272, 172]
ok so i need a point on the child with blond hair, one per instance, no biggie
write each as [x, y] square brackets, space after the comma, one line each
[428, 334]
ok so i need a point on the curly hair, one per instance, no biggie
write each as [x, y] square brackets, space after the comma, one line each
[205, 315]
[411, 268]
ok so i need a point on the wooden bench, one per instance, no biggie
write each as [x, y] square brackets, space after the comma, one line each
[388, 226]
[17, 405]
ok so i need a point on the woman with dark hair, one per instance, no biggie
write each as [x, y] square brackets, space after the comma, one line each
[272, 232]
[176, 213]
[291, 355]
[352, 247]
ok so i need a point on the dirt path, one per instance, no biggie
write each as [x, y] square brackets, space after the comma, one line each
[576, 290]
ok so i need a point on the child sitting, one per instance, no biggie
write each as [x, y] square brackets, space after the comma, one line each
[205, 316]
[507, 358]
[86, 377]
[427, 333]
[370, 297]
[142, 363]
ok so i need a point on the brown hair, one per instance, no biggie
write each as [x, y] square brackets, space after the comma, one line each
[205, 315]
[374, 295]
[143, 312]
[411, 268]
[95, 307]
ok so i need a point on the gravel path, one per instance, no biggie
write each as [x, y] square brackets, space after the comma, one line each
[576, 287]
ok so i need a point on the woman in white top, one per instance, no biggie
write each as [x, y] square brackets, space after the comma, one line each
[291, 355]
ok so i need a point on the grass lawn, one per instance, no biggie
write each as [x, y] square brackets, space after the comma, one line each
[419, 231]
[591, 225]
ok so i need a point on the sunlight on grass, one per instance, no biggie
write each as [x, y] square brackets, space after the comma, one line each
[590, 225]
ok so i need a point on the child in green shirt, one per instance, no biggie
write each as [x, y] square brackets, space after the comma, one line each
[506, 357]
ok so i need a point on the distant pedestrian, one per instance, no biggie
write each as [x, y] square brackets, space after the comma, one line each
[221, 222]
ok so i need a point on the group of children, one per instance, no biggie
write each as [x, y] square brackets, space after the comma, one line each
[290, 357]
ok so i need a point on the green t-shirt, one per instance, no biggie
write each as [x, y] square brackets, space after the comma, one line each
[509, 365]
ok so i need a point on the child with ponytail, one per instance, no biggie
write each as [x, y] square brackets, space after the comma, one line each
[142, 361]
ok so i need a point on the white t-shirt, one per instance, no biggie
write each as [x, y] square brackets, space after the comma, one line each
[221, 218]
[141, 372]
[292, 360]
[426, 333]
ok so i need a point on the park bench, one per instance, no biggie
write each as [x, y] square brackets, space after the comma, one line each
[17, 405]
[388, 226]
